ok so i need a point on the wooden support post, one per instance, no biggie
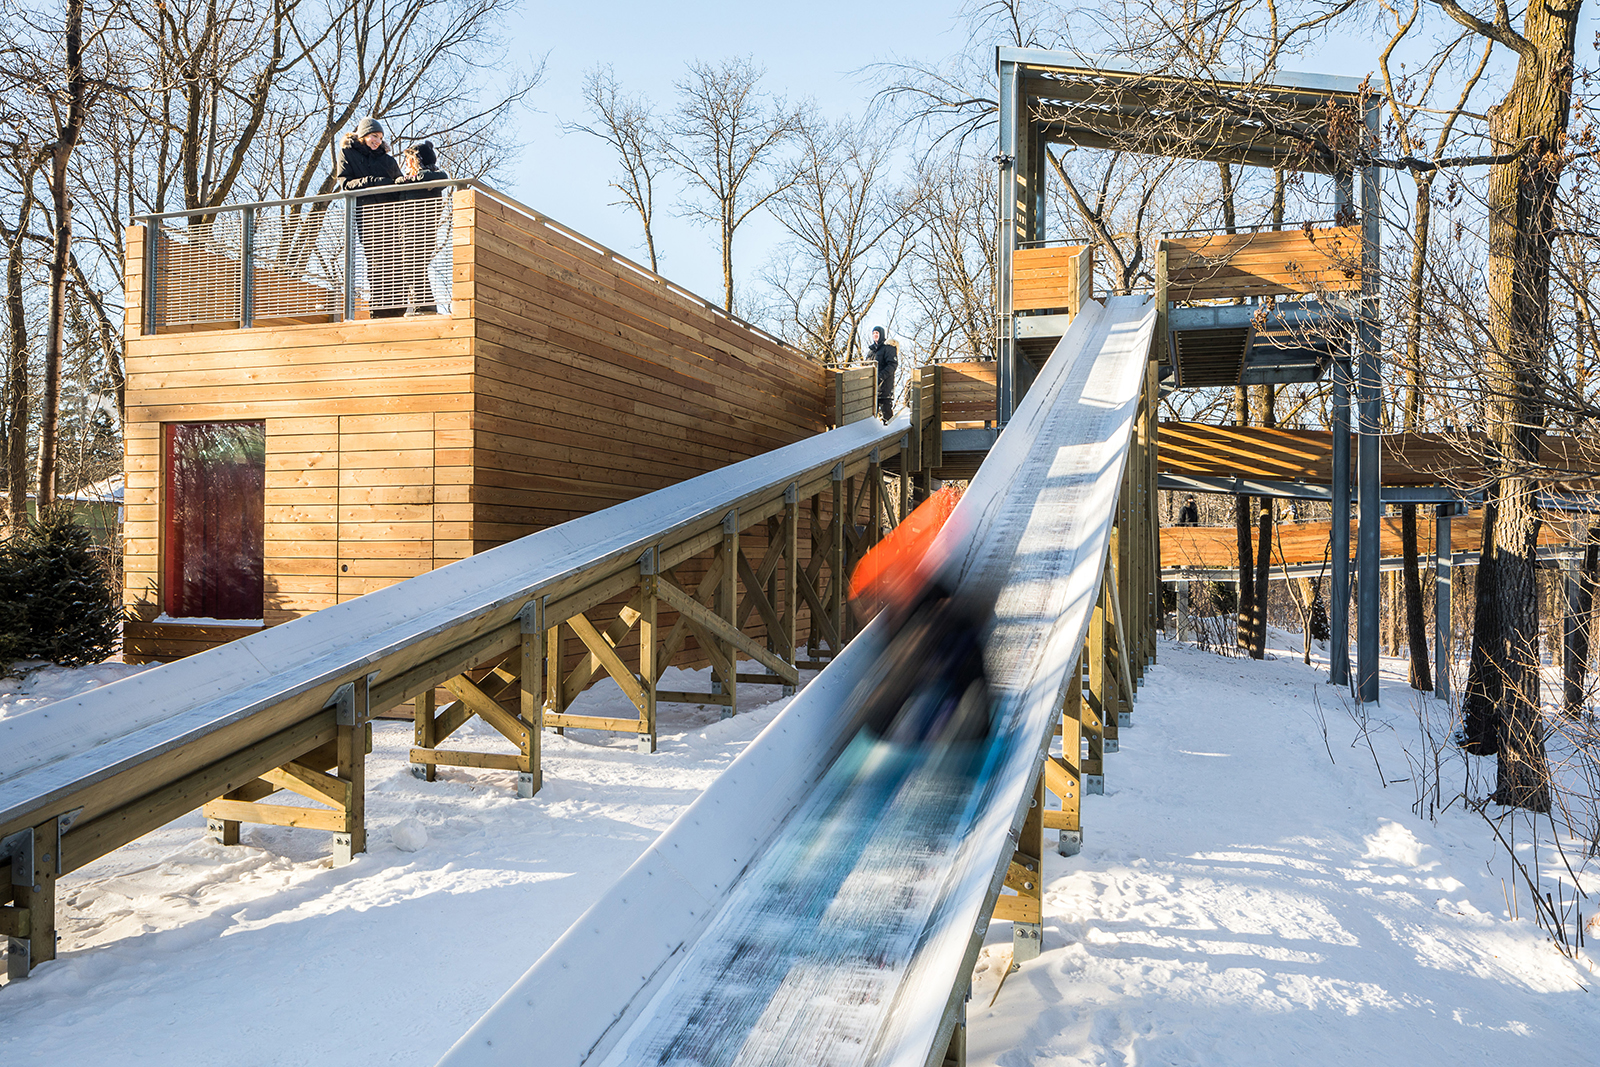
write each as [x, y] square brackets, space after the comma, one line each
[554, 698]
[1064, 777]
[530, 702]
[905, 473]
[423, 708]
[1185, 630]
[1126, 542]
[874, 501]
[30, 922]
[649, 668]
[1026, 876]
[836, 561]
[1094, 662]
[351, 769]
[1152, 519]
[1111, 704]
[791, 576]
[1577, 603]
[1120, 646]
[727, 609]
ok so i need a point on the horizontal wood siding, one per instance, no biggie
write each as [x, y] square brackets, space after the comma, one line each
[1051, 279]
[1217, 547]
[968, 393]
[1268, 263]
[598, 382]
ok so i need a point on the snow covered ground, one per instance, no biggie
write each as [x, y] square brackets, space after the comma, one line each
[1244, 897]
[1250, 893]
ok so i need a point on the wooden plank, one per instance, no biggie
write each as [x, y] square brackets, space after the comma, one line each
[698, 614]
[127, 823]
[595, 722]
[276, 815]
[486, 708]
[497, 761]
[300, 779]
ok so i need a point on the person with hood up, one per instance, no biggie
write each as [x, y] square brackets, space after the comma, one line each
[419, 163]
[365, 163]
[887, 357]
[1189, 514]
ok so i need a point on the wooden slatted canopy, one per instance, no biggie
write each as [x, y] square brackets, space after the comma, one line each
[1296, 543]
[1199, 450]
[1409, 459]
[1284, 119]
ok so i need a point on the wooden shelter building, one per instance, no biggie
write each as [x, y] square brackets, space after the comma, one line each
[354, 445]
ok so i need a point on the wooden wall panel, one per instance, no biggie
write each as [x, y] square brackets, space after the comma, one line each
[350, 411]
[597, 382]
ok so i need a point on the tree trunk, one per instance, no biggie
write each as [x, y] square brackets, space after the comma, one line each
[1258, 615]
[1416, 633]
[17, 356]
[1258, 631]
[1244, 621]
[1416, 626]
[60, 251]
[1530, 122]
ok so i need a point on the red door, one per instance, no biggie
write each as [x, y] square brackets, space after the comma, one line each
[215, 500]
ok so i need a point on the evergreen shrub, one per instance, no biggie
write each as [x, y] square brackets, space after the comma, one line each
[55, 601]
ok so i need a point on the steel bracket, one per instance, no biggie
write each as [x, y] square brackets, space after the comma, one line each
[17, 848]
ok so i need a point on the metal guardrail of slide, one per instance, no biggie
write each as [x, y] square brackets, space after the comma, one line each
[288, 708]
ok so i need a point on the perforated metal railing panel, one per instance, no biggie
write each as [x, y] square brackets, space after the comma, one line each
[199, 276]
[397, 252]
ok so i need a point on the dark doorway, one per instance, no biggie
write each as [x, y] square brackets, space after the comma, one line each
[215, 501]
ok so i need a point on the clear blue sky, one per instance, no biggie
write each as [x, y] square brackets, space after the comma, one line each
[809, 50]
[812, 50]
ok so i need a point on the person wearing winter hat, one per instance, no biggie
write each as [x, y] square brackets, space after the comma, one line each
[366, 163]
[419, 163]
[887, 357]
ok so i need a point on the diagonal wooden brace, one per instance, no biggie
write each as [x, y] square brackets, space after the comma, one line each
[680, 601]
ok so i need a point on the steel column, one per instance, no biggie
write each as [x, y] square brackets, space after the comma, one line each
[1369, 402]
[247, 270]
[1006, 240]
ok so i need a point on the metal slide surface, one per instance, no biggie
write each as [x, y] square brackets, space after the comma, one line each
[821, 901]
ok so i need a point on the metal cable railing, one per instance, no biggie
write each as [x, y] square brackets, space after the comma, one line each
[316, 259]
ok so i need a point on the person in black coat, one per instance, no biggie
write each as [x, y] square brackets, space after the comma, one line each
[366, 163]
[1189, 514]
[887, 357]
[419, 163]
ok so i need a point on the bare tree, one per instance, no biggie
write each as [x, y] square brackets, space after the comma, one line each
[851, 227]
[46, 71]
[17, 341]
[952, 265]
[723, 137]
[628, 126]
[1409, 139]
[1528, 128]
